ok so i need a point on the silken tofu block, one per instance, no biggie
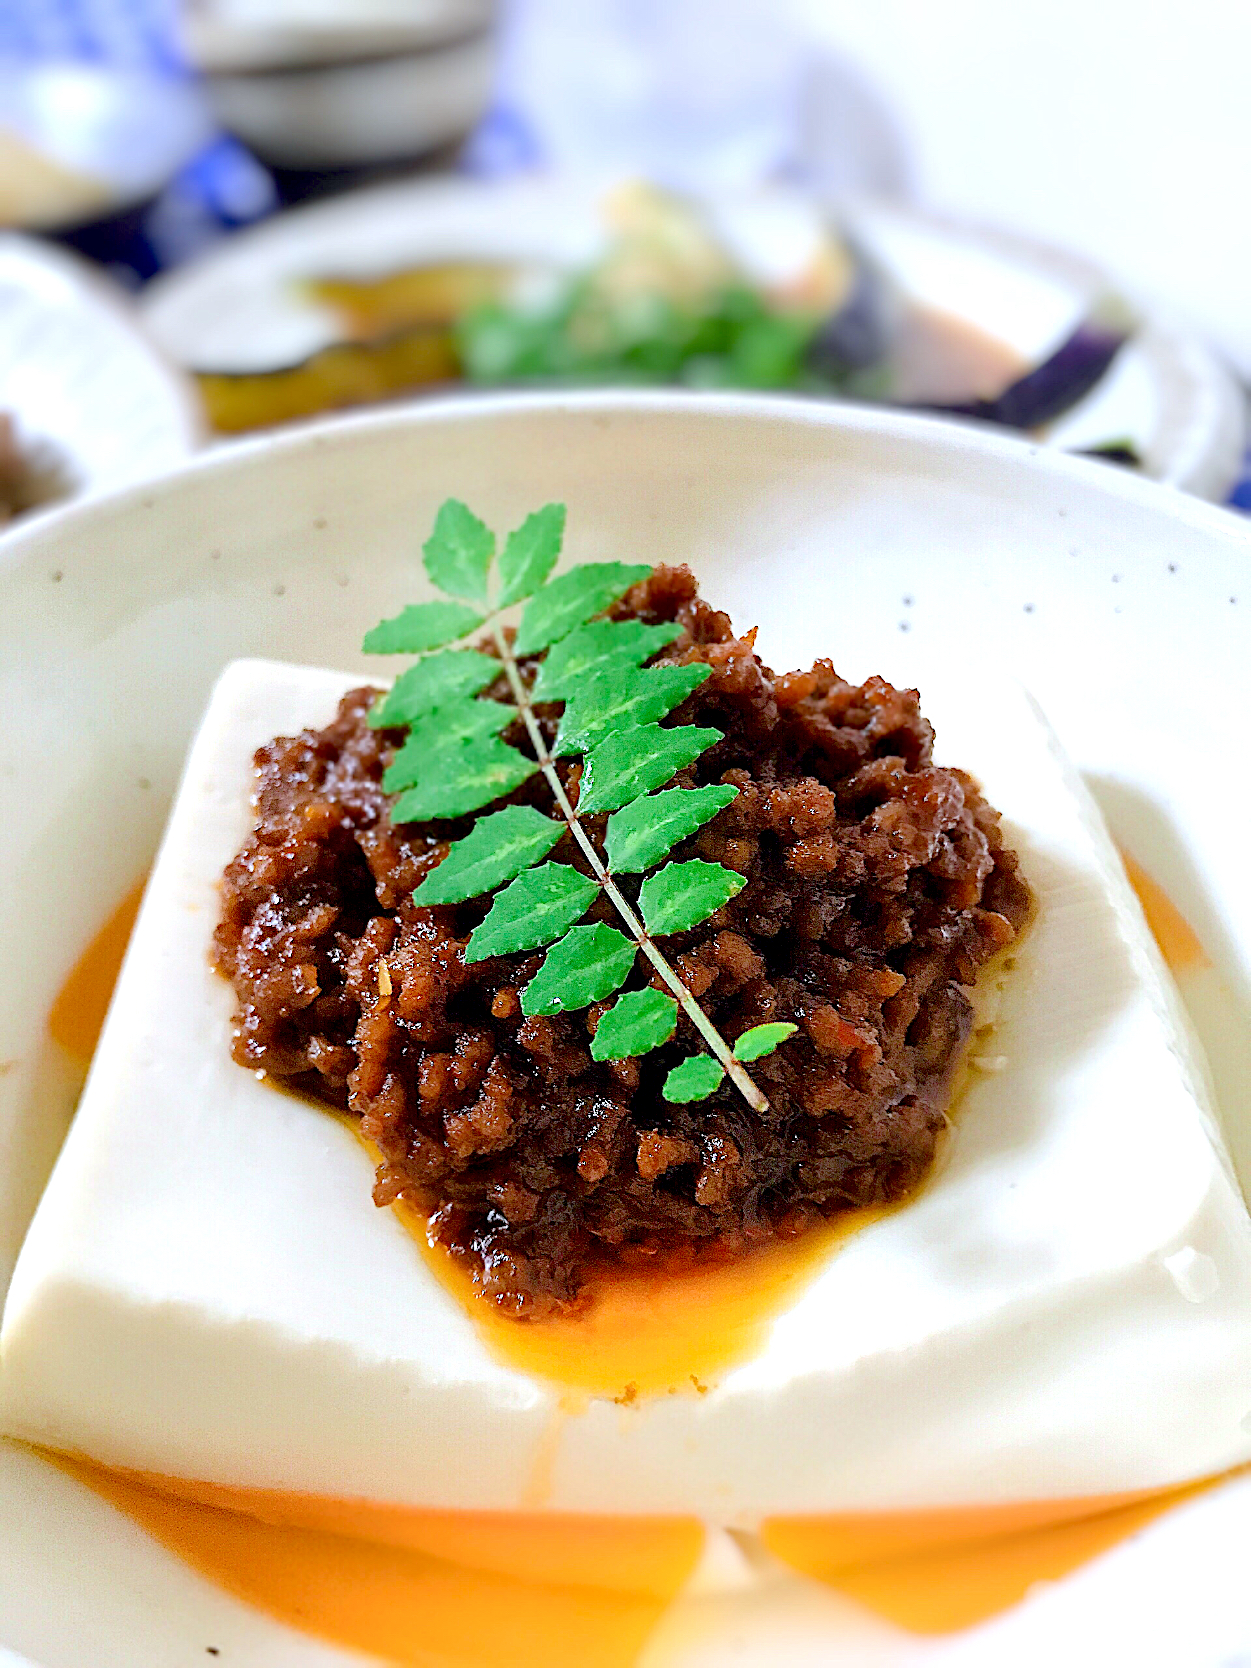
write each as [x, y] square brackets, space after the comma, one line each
[208, 1292]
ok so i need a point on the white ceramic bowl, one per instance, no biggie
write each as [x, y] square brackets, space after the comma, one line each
[238, 36]
[883, 540]
[387, 107]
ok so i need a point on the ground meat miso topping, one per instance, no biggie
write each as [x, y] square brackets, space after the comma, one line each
[877, 885]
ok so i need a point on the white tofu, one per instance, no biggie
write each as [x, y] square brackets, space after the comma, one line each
[207, 1290]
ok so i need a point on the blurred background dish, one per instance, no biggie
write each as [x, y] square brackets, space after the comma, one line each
[343, 85]
[144, 132]
[88, 402]
[227, 36]
[425, 284]
[1166, 394]
[82, 139]
[389, 109]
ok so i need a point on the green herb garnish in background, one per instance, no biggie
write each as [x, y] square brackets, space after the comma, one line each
[732, 339]
[454, 763]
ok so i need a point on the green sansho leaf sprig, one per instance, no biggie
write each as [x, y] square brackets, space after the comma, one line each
[454, 763]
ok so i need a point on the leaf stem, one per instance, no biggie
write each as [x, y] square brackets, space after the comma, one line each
[716, 1042]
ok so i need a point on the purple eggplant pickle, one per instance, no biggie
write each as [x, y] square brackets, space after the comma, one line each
[857, 335]
[1053, 387]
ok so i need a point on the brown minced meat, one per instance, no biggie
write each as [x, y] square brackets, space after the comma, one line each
[877, 885]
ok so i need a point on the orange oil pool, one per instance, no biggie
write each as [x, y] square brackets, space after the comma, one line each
[425, 1590]
[1179, 943]
[459, 1590]
[77, 1015]
[645, 1333]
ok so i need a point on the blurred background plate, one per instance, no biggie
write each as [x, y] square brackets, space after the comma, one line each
[968, 302]
[93, 402]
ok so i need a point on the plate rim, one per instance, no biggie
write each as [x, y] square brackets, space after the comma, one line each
[981, 440]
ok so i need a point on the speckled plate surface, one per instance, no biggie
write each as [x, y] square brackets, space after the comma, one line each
[886, 541]
[92, 397]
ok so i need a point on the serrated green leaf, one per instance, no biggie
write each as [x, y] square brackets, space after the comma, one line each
[593, 648]
[458, 553]
[681, 895]
[763, 1039]
[452, 726]
[623, 698]
[463, 780]
[422, 626]
[538, 906]
[530, 553]
[647, 829]
[498, 848]
[694, 1079]
[436, 742]
[570, 599]
[625, 766]
[431, 683]
[588, 964]
[635, 1024]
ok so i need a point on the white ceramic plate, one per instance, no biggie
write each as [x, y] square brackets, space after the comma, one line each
[89, 390]
[884, 540]
[238, 307]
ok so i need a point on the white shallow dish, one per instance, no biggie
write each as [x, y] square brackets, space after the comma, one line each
[88, 388]
[1090, 585]
[237, 307]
